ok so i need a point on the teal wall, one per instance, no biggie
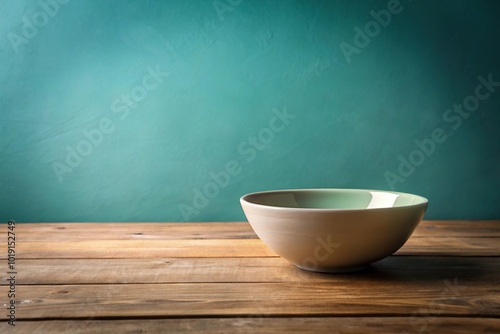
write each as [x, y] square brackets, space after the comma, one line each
[171, 110]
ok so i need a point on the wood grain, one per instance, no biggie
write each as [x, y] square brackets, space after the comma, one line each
[272, 299]
[132, 231]
[266, 325]
[116, 249]
[458, 228]
[150, 240]
[216, 230]
[219, 277]
[394, 269]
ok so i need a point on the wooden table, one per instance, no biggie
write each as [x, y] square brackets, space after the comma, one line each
[219, 277]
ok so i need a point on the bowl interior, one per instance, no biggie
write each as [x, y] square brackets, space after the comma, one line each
[342, 199]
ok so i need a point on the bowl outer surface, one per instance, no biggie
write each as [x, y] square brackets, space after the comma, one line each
[331, 239]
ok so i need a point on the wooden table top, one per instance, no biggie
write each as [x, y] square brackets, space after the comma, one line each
[220, 278]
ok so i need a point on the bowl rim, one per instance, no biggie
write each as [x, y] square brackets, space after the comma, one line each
[243, 199]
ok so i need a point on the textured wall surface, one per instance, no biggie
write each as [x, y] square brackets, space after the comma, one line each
[125, 110]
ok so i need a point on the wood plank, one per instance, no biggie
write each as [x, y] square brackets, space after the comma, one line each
[458, 228]
[108, 249]
[216, 230]
[372, 298]
[202, 270]
[441, 246]
[131, 231]
[252, 324]
[247, 270]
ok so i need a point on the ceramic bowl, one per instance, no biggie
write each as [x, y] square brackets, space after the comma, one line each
[333, 230]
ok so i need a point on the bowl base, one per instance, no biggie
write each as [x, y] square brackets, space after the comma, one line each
[333, 270]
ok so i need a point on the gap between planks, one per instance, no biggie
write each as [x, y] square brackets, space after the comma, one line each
[251, 324]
